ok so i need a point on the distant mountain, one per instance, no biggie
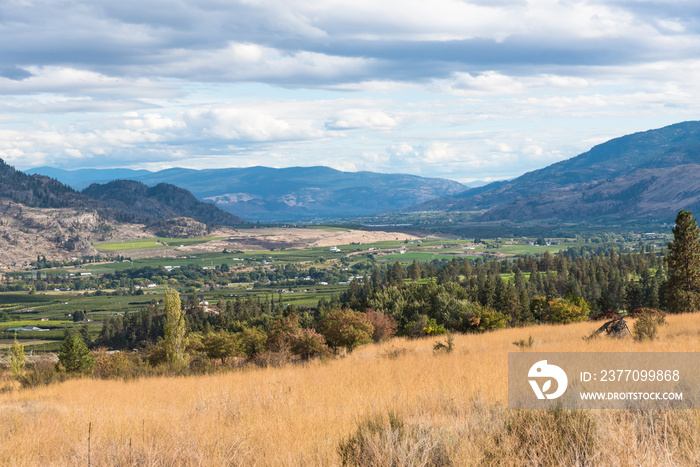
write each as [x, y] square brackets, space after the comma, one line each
[82, 178]
[124, 201]
[162, 201]
[652, 173]
[263, 193]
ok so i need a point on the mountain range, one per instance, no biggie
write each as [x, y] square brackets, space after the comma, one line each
[269, 194]
[648, 174]
[651, 174]
[123, 201]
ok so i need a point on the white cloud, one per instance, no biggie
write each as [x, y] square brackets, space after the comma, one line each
[254, 62]
[466, 89]
[489, 83]
[72, 81]
[370, 119]
[234, 124]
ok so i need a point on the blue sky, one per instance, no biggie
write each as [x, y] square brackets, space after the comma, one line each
[466, 90]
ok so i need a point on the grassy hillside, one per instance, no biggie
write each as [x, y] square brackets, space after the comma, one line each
[448, 408]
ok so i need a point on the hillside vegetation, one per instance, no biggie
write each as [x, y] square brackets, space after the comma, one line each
[163, 201]
[395, 402]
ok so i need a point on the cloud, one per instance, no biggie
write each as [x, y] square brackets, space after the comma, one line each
[337, 41]
[352, 119]
[14, 73]
[458, 88]
[234, 124]
[483, 84]
[72, 81]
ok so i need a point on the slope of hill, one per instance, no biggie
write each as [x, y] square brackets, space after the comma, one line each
[398, 403]
[38, 190]
[652, 173]
[162, 201]
[276, 194]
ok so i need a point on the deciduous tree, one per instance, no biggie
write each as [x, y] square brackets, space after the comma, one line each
[346, 328]
[17, 358]
[174, 329]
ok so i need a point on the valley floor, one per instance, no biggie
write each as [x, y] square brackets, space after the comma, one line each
[415, 406]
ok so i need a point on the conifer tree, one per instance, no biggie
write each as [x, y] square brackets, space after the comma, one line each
[683, 291]
[74, 355]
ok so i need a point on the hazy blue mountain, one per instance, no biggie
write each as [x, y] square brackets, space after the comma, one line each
[651, 173]
[263, 193]
[82, 178]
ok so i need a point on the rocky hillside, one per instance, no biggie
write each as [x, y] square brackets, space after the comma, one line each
[42, 216]
[57, 233]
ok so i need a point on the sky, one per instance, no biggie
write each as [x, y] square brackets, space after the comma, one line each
[466, 90]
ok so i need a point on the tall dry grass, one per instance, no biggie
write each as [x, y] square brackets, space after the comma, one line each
[398, 403]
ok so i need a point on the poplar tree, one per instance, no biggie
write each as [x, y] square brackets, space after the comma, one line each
[683, 291]
[17, 358]
[174, 329]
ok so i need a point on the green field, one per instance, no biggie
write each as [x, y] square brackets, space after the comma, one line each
[153, 243]
[409, 257]
[40, 324]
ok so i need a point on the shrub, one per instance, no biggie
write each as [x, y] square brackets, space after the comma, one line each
[485, 319]
[113, 365]
[414, 329]
[422, 327]
[381, 442]
[524, 344]
[272, 359]
[658, 315]
[547, 437]
[41, 374]
[560, 311]
[645, 328]
[346, 328]
[384, 325]
[447, 347]
[392, 353]
[156, 354]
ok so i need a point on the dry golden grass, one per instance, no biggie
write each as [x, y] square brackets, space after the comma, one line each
[298, 415]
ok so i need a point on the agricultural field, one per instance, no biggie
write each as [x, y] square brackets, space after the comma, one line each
[152, 243]
[98, 306]
[401, 397]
